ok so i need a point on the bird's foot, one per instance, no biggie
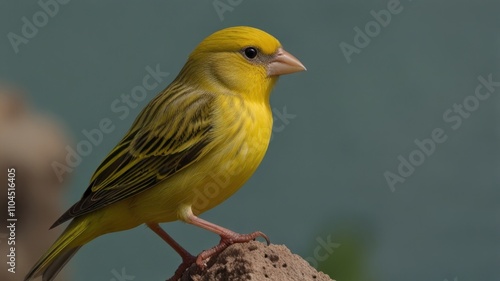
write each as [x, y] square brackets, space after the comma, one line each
[227, 240]
[187, 261]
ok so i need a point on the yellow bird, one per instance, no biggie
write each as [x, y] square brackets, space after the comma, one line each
[212, 122]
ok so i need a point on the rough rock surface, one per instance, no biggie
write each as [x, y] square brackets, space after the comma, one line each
[258, 262]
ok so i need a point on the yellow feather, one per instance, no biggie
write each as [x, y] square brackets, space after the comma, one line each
[191, 148]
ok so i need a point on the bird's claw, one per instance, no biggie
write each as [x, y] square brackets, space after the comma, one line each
[226, 241]
[187, 261]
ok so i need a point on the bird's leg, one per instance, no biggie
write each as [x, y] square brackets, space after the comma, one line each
[227, 238]
[187, 258]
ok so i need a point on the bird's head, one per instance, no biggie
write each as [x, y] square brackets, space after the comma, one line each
[240, 59]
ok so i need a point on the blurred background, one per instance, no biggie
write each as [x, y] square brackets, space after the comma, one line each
[344, 183]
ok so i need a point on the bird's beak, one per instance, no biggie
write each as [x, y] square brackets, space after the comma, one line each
[284, 63]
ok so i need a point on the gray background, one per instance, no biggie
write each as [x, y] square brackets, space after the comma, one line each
[323, 173]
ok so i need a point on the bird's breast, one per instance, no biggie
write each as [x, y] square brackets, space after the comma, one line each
[242, 132]
[245, 131]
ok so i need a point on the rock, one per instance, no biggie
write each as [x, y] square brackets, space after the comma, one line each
[255, 261]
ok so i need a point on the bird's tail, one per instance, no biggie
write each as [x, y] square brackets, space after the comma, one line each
[59, 253]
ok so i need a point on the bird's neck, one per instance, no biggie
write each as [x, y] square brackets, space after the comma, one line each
[252, 88]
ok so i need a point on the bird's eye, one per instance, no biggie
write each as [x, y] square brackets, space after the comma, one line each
[250, 52]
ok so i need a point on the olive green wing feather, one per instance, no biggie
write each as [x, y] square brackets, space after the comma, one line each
[171, 133]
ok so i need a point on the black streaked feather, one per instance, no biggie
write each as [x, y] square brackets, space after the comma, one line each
[151, 151]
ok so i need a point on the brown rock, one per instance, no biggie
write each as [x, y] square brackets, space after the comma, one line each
[258, 262]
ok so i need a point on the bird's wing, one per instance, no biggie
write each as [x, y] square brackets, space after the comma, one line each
[170, 134]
